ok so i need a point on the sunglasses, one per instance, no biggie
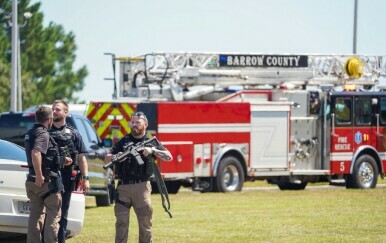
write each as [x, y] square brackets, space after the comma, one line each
[139, 114]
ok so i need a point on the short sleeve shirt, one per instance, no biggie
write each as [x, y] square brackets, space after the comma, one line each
[78, 141]
[36, 138]
[42, 140]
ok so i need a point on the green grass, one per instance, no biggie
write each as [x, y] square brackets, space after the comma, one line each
[319, 215]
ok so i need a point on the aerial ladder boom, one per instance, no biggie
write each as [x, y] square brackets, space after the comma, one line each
[180, 72]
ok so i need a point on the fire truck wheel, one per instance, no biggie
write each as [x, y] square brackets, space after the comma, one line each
[365, 173]
[230, 175]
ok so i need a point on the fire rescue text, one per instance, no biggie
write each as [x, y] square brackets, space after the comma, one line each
[342, 144]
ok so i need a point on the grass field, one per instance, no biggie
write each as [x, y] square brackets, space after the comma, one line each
[312, 215]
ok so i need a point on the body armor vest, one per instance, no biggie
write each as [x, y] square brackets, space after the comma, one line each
[50, 160]
[130, 169]
[63, 137]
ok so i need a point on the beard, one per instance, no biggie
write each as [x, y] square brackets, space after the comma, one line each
[58, 119]
[136, 131]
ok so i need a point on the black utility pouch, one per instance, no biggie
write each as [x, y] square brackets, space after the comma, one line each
[61, 161]
[56, 185]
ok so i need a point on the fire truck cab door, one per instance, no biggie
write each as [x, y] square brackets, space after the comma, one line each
[354, 126]
[342, 134]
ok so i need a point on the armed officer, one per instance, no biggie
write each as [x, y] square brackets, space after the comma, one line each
[43, 183]
[72, 149]
[134, 186]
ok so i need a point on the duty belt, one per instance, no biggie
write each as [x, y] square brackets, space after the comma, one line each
[130, 182]
[32, 178]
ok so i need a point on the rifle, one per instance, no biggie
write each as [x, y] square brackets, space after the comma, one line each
[132, 150]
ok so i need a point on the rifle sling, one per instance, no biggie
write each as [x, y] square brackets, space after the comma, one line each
[161, 188]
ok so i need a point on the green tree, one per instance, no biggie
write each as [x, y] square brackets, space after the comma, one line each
[47, 58]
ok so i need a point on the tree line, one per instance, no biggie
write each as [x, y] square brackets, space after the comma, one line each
[47, 55]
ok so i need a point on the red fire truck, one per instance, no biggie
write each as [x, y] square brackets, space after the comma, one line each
[228, 118]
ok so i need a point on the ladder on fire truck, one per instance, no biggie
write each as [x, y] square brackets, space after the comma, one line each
[180, 72]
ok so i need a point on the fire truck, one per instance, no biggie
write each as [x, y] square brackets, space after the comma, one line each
[230, 118]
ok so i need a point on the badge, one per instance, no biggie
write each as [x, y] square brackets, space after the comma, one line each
[358, 137]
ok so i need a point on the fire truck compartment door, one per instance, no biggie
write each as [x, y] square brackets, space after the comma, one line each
[182, 163]
[269, 136]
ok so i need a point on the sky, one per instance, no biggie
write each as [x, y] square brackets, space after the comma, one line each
[128, 27]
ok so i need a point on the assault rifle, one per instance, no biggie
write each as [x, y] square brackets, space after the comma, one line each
[133, 150]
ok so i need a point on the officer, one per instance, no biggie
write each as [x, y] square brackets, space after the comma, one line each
[43, 183]
[72, 149]
[134, 186]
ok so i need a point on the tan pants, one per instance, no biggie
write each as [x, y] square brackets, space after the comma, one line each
[51, 205]
[138, 197]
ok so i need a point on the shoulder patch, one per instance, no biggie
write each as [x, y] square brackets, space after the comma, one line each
[70, 127]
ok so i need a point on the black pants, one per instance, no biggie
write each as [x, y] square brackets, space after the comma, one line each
[66, 198]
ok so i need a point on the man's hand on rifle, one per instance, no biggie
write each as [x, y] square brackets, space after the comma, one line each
[146, 151]
[162, 154]
[110, 157]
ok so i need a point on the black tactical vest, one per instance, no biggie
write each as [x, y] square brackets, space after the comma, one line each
[130, 169]
[63, 137]
[50, 160]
